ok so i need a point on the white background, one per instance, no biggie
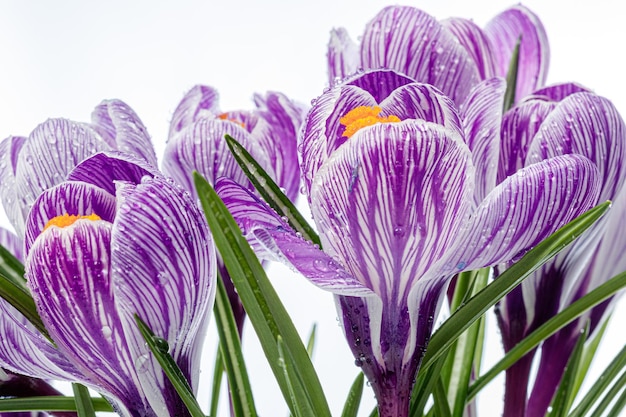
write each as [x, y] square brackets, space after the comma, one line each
[61, 58]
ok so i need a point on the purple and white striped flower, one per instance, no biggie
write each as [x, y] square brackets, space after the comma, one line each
[30, 165]
[132, 243]
[390, 179]
[452, 54]
[559, 120]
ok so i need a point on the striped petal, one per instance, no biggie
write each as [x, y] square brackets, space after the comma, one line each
[70, 197]
[201, 147]
[534, 54]
[12, 243]
[523, 210]
[51, 151]
[163, 269]
[343, 56]
[272, 238]
[122, 129]
[9, 150]
[558, 92]
[199, 102]
[482, 116]
[69, 272]
[476, 44]
[104, 168]
[390, 202]
[586, 124]
[412, 42]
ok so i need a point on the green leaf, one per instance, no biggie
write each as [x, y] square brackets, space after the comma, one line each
[565, 393]
[50, 403]
[440, 397]
[616, 366]
[270, 191]
[424, 385]
[466, 315]
[265, 310]
[550, 327]
[610, 396]
[296, 394]
[230, 347]
[619, 405]
[11, 268]
[160, 348]
[84, 406]
[589, 351]
[218, 371]
[19, 297]
[310, 345]
[351, 407]
[511, 77]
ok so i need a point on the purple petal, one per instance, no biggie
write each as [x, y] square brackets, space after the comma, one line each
[284, 118]
[379, 83]
[482, 115]
[410, 41]
[9, 150]
[523, 210]
[104, 168]
[476, 44]
[122, 129]
[534, 55]
[12, 243]
[343, 55]
[558, 92]
[589, 125]
[51, 151]
[272, 238]
[163, 267]
[390, 201]
[68, 270]
[199, 102]
[75, 198]
[201, 147]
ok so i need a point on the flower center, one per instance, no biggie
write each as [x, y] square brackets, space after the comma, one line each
[363, 116]
[225, 116]
[68, 219]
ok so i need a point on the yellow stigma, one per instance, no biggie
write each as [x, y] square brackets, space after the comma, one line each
[68, 219]
[363, 116]
[224, 116]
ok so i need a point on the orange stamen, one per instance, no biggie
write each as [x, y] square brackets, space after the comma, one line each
[363, 116]
[68, 219]
[224, 116]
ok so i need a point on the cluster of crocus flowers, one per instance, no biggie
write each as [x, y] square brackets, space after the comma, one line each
[398, 212]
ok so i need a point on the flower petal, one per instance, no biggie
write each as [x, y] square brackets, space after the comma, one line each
[343, 55]
[272, 238]
[390, 201]
[163, 267]
[122, 129]
[68, 270]
[51, 151]
[590, 125]
[104, 168]
[9, 150]
[199, 102]
[482, 115]
[69, 197]
[523, 210]
[12, 243]
[558, 92]
[534, 54]
[475, 42]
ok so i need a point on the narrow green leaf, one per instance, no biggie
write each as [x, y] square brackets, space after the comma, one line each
[441, 400]
[265, 310]
[50, 403]
[600, 385]
[270, 191]
[511, 77]
[563, 396]
[610, 396]
[296, 395]
[619, 405]
[424, 385]
[11, 268]
[351, 407]
[589, 352]
[218, 371]
[84, 406]
[466, 315]
[230, 347]
[310, 345]
[550, 327]
[160, 348]
[19, 297]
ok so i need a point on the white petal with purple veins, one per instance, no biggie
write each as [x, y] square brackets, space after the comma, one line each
[199, 102]
[343, 55]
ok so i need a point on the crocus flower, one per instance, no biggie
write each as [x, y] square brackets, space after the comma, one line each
[453, 54]
[196, 143]
[30, 165]
[390, 180]
[132, 243]
[557, 120]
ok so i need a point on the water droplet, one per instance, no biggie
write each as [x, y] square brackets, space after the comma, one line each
[106, 332]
